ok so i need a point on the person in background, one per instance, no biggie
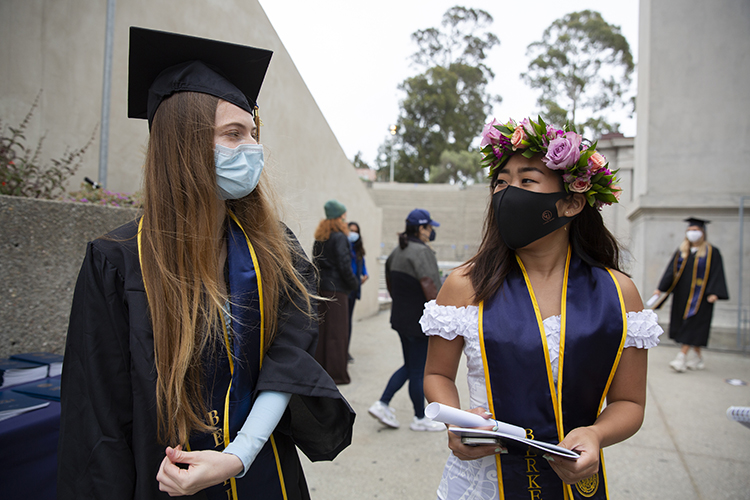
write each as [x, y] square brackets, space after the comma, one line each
[332, 257]
[360, 272]
[548, 324]
[695, 277]
[413, 278]
[192, 327]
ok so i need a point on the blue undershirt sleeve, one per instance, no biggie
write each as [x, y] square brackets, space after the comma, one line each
[260, 423]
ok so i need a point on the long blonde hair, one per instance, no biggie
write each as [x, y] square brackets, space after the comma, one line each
[182, 237]
[702, 247]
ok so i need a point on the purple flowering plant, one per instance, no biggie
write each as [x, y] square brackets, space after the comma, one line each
[100, 196]
[584, 170]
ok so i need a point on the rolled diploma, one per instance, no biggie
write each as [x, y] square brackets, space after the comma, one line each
[652, 300]
[453, 416]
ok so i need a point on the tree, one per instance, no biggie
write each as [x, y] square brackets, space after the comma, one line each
[446, 105]
[583, 66]
[458, 167]
[358, 162]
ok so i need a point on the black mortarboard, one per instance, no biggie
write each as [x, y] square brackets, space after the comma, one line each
[692, 221]
[163, 63]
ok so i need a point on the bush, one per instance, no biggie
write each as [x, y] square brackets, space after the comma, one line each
[99, 196]
[23, 174]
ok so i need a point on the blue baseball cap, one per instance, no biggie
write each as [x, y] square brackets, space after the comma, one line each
[419, 217]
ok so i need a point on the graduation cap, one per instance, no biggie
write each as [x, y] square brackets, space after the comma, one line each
[692, 221]
[163, 63]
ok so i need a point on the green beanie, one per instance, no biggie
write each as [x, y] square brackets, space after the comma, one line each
[334, 209]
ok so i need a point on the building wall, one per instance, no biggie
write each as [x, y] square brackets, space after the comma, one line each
[57, 46]
[692, 136]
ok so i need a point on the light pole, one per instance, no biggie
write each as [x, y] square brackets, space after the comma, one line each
[393, 129]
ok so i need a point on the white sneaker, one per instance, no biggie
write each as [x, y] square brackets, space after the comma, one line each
[695, 363]
[426, 424]
[678, 363]
[384, 413]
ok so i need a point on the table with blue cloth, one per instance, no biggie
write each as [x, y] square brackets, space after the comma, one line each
[28, 454]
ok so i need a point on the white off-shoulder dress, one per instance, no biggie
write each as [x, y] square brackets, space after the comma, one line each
[477, 479]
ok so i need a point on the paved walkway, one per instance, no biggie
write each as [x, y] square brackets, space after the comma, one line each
[687, 449]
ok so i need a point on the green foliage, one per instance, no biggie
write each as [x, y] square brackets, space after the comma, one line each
[582, 66]
[447, 104]
[464, 167]
[99, 196]
[24, 174]
[358, 162]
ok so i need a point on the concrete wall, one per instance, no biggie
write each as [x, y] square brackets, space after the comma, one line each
[692, 136]
[460, 212]
[58, 46]
[42, 244]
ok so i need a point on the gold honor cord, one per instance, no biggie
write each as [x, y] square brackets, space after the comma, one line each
[545, 348]
[561, 348]
[676, 272]
[256, 265]
[694, 280]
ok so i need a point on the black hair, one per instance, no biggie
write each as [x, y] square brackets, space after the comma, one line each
[359, 248]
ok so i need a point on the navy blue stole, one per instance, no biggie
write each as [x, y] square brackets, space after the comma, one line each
[231, 379]
[518, 373]
[701, 267]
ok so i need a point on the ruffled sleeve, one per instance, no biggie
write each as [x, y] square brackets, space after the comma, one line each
[643, 329]
[449, 321]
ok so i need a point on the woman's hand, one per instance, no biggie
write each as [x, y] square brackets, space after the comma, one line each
[205, 468]
[465, 452]
[363, 278]
[586, 442]
[712, 298]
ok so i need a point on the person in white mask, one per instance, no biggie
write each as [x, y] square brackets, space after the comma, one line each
[695, 278]
[189, 363]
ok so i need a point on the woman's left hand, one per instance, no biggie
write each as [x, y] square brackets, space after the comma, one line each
[585, 441]
[205, 468]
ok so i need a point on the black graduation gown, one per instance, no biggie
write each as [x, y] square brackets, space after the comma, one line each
[108, 445]
[694, 330]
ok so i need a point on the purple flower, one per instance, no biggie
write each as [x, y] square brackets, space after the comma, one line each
[490, 135]
[563, 152]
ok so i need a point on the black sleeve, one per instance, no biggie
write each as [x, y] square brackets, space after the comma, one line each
[717, 283]
[344, 262]
[666, 280]
[94, 449]
[319, 419]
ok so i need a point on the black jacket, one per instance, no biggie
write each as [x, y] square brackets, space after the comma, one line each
[333, 259]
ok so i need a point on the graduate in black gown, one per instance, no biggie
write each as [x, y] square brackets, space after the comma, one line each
[189, 365]
[695, 278]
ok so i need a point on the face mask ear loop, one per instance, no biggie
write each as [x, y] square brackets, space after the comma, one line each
[258, 123]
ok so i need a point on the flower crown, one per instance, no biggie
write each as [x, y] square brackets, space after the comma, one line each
[584, 169]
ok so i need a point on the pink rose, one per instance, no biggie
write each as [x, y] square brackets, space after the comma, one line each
[616, 192]
[490, 135]
[580, 185]
[597, 161]
[563, 152]
[518, 136]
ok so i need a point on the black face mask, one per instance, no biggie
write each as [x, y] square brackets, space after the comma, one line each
[525, 216]
[432, 235]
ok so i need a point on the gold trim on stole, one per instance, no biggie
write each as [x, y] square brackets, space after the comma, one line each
[695, 278]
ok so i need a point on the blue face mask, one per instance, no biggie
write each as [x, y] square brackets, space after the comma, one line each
[237, 170]
[353, 237]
